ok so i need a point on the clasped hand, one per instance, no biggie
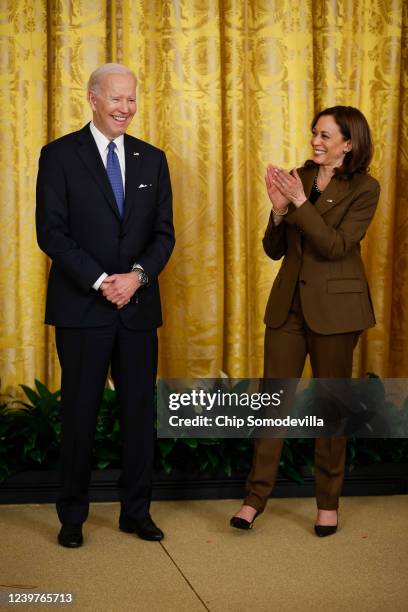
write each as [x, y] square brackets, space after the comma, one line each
[119, 288]
[283, 187]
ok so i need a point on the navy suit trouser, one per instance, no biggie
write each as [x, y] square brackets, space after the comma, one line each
[85, 356]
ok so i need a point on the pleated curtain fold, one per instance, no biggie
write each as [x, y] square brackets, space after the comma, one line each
[225, 87]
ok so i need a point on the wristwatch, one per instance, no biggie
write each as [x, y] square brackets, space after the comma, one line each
[143, 278]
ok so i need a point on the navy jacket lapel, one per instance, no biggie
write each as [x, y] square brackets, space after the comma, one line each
[88, 151]
[133, 158]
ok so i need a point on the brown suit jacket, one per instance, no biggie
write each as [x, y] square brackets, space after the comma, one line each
[321, 248]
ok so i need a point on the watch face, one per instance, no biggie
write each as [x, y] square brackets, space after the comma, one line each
[143, 278]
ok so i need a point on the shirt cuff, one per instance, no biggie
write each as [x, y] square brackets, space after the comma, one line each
[99, 282]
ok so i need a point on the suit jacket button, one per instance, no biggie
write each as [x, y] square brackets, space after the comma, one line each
[303, 282]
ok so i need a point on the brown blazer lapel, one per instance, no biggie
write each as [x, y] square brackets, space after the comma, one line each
[333, 194]
[307, 176]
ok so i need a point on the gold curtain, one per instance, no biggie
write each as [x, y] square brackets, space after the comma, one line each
[224, 88]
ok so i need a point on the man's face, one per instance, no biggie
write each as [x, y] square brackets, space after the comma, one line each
[113, 104]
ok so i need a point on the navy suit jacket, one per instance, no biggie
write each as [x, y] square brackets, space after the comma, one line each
[80, 229]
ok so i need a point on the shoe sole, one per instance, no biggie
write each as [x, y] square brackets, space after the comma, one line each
[69, 544]
[133, 531]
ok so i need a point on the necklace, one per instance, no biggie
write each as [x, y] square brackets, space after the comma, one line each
[315, 184]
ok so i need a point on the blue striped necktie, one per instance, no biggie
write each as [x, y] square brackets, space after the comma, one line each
[115, 177]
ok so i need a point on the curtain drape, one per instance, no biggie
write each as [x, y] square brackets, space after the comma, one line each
[225, 86]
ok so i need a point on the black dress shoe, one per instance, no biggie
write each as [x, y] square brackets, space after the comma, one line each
[145, 528]
[70, 535]
[241, 523]
[325, 530]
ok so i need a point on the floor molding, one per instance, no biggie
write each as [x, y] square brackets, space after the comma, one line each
[42, 486]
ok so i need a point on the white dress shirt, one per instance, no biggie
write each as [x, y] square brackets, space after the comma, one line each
[102, 144]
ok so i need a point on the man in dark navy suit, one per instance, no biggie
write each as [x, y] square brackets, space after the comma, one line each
[104, 217]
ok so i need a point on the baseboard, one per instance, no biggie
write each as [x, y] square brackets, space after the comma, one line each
[42, 486]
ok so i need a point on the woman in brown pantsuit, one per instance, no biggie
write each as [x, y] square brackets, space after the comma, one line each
[320, 301]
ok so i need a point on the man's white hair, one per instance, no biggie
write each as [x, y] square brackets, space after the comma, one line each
[97, 75]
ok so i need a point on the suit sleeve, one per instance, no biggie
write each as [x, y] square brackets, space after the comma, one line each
[274, 241]
[52, 223]
[335, 242]
[161, 243]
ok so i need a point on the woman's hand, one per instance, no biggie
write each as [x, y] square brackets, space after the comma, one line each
[289, 185]
[278, 200]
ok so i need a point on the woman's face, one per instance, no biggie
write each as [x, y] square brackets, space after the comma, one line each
[328, 143]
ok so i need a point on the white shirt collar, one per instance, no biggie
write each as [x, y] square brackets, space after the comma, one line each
[102, 141]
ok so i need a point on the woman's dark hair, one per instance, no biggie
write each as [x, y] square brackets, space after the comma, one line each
[353, 126]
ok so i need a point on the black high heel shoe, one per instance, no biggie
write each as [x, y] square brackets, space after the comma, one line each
[240, 523]
[325, 530]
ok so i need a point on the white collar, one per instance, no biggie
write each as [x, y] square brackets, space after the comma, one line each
[102, 141]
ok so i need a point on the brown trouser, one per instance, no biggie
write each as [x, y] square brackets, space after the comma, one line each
[285, 353]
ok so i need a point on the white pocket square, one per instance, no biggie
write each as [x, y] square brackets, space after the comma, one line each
[141, 186]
